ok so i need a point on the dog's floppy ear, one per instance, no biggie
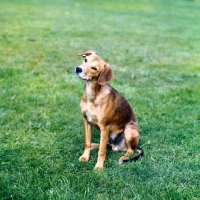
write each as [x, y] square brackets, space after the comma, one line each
[106, 75]
[87, 53]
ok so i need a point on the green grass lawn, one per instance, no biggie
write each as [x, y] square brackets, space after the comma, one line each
[41, 134]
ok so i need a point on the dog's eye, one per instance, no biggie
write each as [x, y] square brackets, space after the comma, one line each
[85, 60]
[94, 68]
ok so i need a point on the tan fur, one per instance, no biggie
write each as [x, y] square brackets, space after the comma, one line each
[105, 109]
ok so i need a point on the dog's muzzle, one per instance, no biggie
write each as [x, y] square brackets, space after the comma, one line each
[78, 70]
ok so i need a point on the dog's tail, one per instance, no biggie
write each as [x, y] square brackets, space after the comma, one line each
[135, 158]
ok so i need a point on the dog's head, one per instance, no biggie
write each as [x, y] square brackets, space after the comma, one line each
[94, 67]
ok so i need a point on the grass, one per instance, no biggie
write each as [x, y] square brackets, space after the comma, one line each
[41, 133]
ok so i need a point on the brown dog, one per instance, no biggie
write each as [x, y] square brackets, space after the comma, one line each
[105, 109]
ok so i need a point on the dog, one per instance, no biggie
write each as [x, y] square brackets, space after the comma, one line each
[104, 108]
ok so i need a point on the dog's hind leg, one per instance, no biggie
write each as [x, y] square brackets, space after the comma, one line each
[94, 146]
[131, 137]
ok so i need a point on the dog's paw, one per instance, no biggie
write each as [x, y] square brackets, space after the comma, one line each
[122, 159]
[98, 168]
[83, 158]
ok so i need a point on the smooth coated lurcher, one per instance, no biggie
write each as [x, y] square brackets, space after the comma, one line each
[105, 109]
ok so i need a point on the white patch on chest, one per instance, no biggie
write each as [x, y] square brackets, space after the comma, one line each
[88, 117]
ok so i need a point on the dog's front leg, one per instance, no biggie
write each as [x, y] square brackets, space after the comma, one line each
[87, 146]
[102, 147]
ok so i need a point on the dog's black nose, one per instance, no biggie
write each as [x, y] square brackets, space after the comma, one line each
[78, 70]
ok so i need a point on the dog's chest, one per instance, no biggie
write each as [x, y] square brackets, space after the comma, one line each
[91, 113]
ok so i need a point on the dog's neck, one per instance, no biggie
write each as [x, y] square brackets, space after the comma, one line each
[92, 90]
